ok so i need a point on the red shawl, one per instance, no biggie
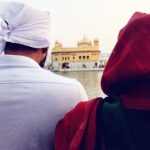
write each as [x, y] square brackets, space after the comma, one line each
[77, 130]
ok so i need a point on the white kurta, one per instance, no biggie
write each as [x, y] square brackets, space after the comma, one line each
[31, 103]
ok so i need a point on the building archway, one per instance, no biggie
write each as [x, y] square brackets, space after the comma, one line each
[65, 65]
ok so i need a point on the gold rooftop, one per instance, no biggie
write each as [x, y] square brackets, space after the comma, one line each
[85, 51]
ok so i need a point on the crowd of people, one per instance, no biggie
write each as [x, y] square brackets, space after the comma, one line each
[40, 110]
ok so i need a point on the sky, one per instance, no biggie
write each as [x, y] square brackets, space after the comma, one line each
[71, 20]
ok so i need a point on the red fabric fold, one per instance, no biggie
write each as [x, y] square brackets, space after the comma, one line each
[138, 103]
[77, 131]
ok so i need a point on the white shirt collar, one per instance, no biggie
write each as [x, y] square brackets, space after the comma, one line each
[17, 61]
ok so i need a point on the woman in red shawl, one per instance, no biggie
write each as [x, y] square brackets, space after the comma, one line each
[111, 124]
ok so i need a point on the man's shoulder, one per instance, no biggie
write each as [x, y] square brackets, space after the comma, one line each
[55, 78]
[65, 84]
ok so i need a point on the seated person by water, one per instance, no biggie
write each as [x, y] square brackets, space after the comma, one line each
[121, 121]
[32, 99]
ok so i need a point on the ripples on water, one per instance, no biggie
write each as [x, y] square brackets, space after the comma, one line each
[89, 79]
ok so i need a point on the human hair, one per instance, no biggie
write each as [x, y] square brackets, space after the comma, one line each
[18, 47]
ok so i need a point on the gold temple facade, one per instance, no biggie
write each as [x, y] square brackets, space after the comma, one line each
[85, 51]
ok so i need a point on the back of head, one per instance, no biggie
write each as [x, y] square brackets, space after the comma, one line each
[129, 63]
[23, 27]
[14, 47]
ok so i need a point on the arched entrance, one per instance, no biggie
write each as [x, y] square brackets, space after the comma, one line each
[65, 66]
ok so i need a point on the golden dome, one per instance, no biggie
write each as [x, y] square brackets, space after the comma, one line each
[84, 42]
[96, 40]
[58, 44]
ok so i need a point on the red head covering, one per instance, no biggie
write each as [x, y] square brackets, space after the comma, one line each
[129, 64]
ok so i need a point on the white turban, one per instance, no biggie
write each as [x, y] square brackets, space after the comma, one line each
[23, 24]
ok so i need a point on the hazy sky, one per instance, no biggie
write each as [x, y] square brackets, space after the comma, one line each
[102, 19]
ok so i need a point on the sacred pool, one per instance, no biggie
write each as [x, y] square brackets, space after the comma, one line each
[89, 79]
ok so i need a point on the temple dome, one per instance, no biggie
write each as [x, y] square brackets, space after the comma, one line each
[84, 42]
[96, 40]
[58, 44]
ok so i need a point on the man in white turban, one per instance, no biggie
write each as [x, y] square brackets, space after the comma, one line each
[32, 98]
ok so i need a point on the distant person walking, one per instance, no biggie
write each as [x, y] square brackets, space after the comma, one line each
[121, 121]
[32, 99]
